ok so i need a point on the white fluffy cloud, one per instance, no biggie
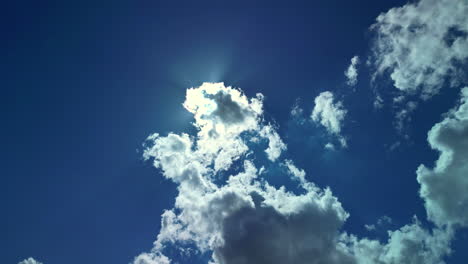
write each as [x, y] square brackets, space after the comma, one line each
[421, 43]
[329, 114]
[247, 221]
[30, 261]
[151, 258]
[243, 219]
[444, 188]
[352, 73]
[230, 219]
[222, 114]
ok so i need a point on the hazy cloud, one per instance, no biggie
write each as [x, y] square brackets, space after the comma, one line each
[297, 113]
[378, 102]
[382, 222]
[352, 73]
[403, 116]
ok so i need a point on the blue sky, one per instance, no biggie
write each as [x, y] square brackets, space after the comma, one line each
[84, 85]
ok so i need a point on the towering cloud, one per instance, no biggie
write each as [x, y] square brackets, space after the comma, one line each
[239, 218]
[444, 188]
[243, 219]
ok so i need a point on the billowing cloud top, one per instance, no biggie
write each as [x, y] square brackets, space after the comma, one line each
[444, 188]
[29, 261]
[220, 110]
[244, 219]
[240, 218]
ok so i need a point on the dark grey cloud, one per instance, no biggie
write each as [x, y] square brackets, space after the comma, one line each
[262, 235]
[227, 111]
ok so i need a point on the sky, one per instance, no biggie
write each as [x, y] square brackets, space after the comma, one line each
[157, 132]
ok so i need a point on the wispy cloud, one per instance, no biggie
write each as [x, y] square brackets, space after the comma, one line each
[352, 73]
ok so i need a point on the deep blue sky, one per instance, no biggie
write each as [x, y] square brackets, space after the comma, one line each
[83, 84]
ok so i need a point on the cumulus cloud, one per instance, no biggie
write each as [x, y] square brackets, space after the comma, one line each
[221, 115]
[420, 44]
[230, 219]
[284, 228]
[30, 261]
[423, 46]
[444, 188]
[151, 258]
[352, 73]
[329, 114]
[239, 218]
[409, 244]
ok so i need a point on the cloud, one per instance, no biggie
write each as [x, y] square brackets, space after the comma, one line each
[383, 221]
[244, 221]
[420, 44]
[151, 258]
[297, 113]
[239, 218]
[30, 261]
[352, 73]
[284, 228]
[409, 244]
[378, 102]
[229, 219]
[329, 114]
[403, 116]
[275, 144]
[297, 173]
[221, 115]
[444, 188]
